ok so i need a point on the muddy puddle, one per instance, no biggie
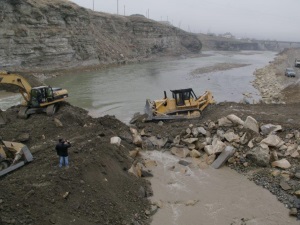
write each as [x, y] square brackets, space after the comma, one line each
[193, 196]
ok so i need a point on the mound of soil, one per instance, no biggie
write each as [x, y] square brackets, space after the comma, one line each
[96, 189]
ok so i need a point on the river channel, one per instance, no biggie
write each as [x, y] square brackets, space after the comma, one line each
[196, 197]
[122, 91]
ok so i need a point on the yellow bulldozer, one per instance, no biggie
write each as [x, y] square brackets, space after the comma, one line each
[12, 156]
[184, 104]
[37, 99]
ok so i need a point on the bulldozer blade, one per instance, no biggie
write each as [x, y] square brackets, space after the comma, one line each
[11, 168]
[148, 110]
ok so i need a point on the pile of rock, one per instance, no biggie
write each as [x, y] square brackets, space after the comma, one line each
[241, 144]
[232, 139]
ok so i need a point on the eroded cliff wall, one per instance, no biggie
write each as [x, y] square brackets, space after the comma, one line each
[56, 34]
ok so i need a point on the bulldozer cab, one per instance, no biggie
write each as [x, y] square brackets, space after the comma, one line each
[183, 94]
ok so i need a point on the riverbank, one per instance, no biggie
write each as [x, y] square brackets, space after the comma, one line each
[273, 85]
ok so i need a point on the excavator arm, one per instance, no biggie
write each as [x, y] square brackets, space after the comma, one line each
[17, 80]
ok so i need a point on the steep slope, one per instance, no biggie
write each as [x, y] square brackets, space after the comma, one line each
[39, 35]
[100, 189]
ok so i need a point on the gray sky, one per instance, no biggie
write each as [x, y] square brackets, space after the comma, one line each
[261, 19]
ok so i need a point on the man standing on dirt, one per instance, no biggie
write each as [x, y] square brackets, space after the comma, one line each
[62, 152]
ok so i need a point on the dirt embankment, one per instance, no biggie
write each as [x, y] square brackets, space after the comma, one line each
[101, 191]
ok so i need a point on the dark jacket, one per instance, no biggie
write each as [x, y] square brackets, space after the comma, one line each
[62, 148]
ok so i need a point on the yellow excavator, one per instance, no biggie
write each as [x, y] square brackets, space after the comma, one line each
[37, 99]
[12, 156]
[184, 104]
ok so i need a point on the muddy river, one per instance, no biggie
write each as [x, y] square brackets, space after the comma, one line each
[193, 196]
[122, 91]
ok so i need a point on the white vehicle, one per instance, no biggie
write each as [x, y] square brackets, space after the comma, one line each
[297, 62]
[290, 72]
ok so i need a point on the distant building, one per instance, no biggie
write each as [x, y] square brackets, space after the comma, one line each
[165, 23]
[227, 35]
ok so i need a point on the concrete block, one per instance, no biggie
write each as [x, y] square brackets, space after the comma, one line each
[223, 157]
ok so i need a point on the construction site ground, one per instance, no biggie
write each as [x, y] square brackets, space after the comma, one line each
[97, 188]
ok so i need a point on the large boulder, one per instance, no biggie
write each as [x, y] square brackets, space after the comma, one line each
[251, 124]
[136, 137]
[180, 152]
[195, 154]
[136, 170]
[115, 141]
[283, 163]
[201, 130]
[231, 137]
[291, 149]
[235, 119]
[269, 128]
[190, 140]
[224, 122]
[217, 146]
[259, 156]
[176, 140]
[195, 132]
[220, 134]
[273, 141]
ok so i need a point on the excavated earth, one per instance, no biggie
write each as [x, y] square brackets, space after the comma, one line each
[98, 186]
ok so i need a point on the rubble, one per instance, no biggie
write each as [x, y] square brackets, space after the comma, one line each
[240, 144]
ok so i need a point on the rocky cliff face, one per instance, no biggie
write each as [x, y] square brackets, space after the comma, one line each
[55, 34]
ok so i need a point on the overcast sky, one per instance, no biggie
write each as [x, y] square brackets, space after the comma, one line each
[261, 19]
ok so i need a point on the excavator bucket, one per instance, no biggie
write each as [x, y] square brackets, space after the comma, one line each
[13, 155]
[184, 104]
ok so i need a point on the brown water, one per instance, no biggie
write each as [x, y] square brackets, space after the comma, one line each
[221, 197]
